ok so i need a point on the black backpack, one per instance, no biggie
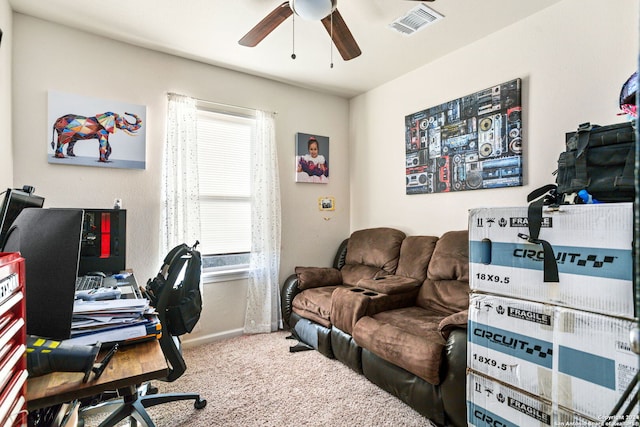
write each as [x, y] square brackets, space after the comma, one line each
[184, 302]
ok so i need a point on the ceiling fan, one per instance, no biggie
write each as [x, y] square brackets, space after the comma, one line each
[314, 10]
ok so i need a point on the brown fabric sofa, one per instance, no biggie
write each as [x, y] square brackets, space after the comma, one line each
[393, 308]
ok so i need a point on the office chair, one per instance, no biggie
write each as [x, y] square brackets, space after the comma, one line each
[161, 297]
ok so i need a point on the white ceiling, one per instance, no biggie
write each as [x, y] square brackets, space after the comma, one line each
[209, 30]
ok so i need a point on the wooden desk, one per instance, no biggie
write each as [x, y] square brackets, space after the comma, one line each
[132, 364]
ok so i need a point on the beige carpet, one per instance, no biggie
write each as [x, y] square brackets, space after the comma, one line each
[255, 381]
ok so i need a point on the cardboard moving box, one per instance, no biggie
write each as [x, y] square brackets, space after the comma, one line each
[491, 403]
[592, 245]
[581, 361]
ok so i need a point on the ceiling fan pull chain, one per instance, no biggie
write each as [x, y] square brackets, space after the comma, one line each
[293, 37]
[331, 42]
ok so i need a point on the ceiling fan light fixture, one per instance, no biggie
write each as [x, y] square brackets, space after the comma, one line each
[312, 10]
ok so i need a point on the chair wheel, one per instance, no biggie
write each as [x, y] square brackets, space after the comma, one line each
[200, 403]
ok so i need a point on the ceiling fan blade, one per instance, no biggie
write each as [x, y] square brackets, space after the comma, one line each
[342, 37]
[267, 25]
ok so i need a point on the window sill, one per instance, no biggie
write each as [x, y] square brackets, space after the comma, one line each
[213, 275]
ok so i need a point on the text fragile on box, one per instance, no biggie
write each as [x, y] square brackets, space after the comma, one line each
[491, 403]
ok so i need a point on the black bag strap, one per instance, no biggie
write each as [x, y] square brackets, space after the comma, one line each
[583, 133]
[172, 265]
[173, 272]
[581, 179]
[549, 191]
[193, 273]
[550, 266]
[178, 250]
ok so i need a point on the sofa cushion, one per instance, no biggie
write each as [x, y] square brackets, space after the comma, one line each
[389, 284]
[315, 304]
[450, 259]
[375, 247]
[415, 254]
[313, 277]
[446, 290]
[407, 337]
[443, 296]
[353, 273]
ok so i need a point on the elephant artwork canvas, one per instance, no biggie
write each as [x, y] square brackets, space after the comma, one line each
[87, 131]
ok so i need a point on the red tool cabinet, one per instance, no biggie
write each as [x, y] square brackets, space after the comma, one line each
[13, 363]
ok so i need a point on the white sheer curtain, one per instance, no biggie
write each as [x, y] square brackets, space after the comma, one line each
[263, 296]
[180, 221]
[181, 208]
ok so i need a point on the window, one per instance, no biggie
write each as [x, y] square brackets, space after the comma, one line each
[224, 149]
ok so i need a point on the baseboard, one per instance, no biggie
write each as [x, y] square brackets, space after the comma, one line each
[205, 339]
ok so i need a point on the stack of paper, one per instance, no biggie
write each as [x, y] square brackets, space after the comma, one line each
[111, 321]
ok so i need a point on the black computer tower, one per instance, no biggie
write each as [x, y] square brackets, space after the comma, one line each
[104, 241]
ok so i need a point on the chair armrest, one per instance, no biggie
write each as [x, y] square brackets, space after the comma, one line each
[288, 293]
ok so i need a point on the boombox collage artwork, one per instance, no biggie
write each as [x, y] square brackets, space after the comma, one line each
[470, 143]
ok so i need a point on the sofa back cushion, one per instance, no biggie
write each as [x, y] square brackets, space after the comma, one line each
[415, 254]
[446, 289]
[371, 252]
[450, 259]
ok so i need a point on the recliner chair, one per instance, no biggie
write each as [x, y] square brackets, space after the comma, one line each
[161, 298]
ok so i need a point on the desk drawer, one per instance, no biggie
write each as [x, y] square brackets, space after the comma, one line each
[13, 328]
[9, 365]
[10, 397]
[11, 303]
[13, 365]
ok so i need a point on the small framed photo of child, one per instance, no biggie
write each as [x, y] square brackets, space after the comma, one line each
[312, 158]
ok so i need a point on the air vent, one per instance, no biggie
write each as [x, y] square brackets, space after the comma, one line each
[416, 19]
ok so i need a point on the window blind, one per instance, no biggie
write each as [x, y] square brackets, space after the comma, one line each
[224, 149]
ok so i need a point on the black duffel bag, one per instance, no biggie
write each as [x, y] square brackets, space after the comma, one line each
[600, 160]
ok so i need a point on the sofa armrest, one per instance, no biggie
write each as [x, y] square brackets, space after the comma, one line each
[316, 277]
[389, 285]
[454, 377]
[453, 321]
[453, 329]
[350, 304]
[287, 294]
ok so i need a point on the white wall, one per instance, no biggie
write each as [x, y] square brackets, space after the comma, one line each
[573, 58]
[6, 156]
[48, 56]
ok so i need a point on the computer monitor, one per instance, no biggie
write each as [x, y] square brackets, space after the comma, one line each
[104, 241]
[49, 241]
[14, 202]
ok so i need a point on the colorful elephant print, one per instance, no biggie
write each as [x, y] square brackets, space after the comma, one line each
[71, 128]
